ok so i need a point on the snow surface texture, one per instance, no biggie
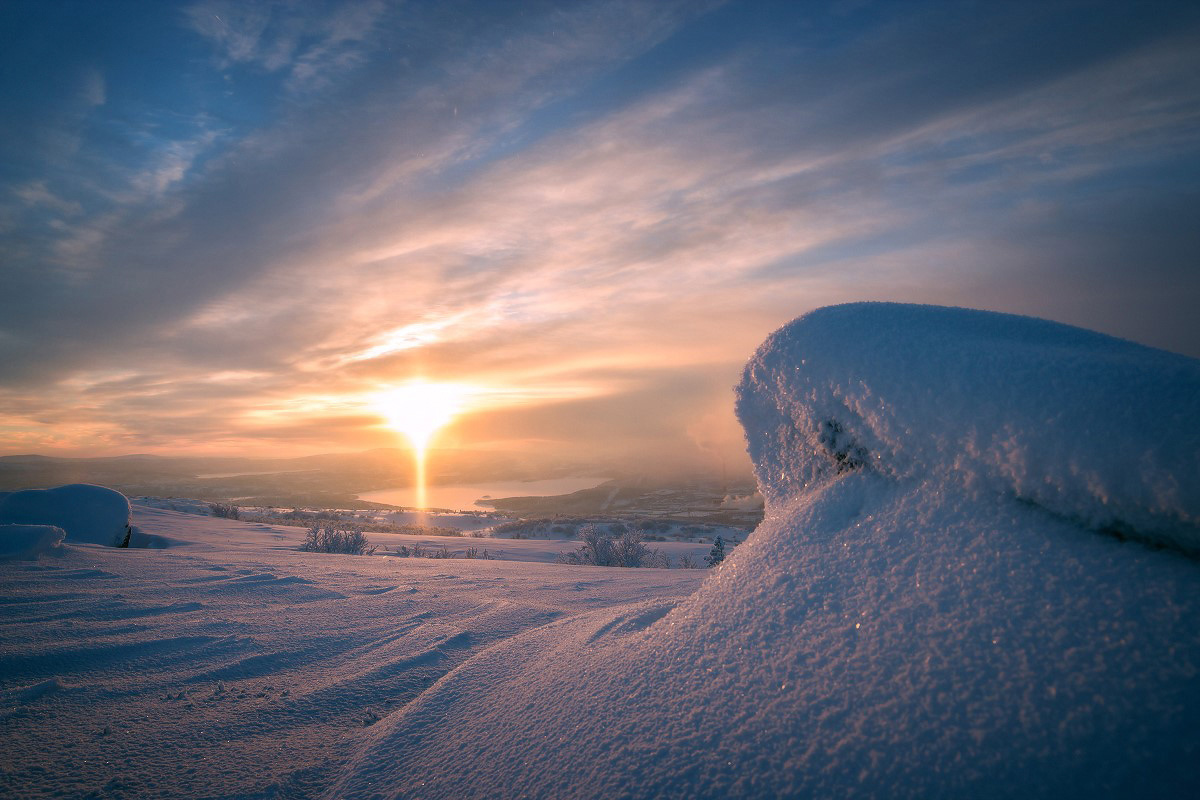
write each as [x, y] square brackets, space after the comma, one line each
[85, 512]
[937, 618]
[232, 665]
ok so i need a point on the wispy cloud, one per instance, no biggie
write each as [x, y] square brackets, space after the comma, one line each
[35, 193]
[169, 163]
[312, 43]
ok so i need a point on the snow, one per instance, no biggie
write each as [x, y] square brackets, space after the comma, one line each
[29, 541]
[230, 664]
[1095, 429]
[991, 593]
[85, 512]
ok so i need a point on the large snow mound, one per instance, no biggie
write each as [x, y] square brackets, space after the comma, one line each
[929, 614]
[1096, 429]
[87, 513]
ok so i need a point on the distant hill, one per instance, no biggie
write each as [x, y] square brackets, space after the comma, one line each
[324, 479]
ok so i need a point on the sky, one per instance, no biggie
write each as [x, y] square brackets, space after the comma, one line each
[229, 228]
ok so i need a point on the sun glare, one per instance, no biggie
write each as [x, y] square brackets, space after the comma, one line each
[419, 409]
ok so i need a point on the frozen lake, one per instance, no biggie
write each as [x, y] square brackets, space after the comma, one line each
[462, 497]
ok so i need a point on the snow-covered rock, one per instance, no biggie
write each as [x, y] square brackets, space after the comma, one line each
[934, 605]
[87, 513]
[29, 541]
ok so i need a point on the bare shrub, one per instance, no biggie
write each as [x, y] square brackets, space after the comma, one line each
[225, 510]
[596, 550]
[611, 548]
[629, 551]
[475, 552]
[334, 538]
[441, 552]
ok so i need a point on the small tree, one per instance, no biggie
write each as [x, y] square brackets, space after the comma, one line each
[717, 554]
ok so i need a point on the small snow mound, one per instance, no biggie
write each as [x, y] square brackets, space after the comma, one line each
[87, 513]
[38, 690]
[27, 542]
[1094, 429]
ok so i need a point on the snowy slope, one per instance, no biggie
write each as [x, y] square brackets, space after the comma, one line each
[947, 615]
[223, 663]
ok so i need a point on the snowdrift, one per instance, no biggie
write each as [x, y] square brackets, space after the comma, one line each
[27, 542]
[933, 607]
[86, 513]
[1099, 430]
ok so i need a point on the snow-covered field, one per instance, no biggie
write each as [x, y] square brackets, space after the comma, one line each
[977, 577]
[231, 665]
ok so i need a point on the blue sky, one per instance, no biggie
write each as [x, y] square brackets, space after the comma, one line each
[227, 226]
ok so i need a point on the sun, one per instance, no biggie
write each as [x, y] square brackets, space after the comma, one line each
[419, 409]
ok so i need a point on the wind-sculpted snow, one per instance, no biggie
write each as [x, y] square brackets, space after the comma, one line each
[1095, 429]
[925, 612]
